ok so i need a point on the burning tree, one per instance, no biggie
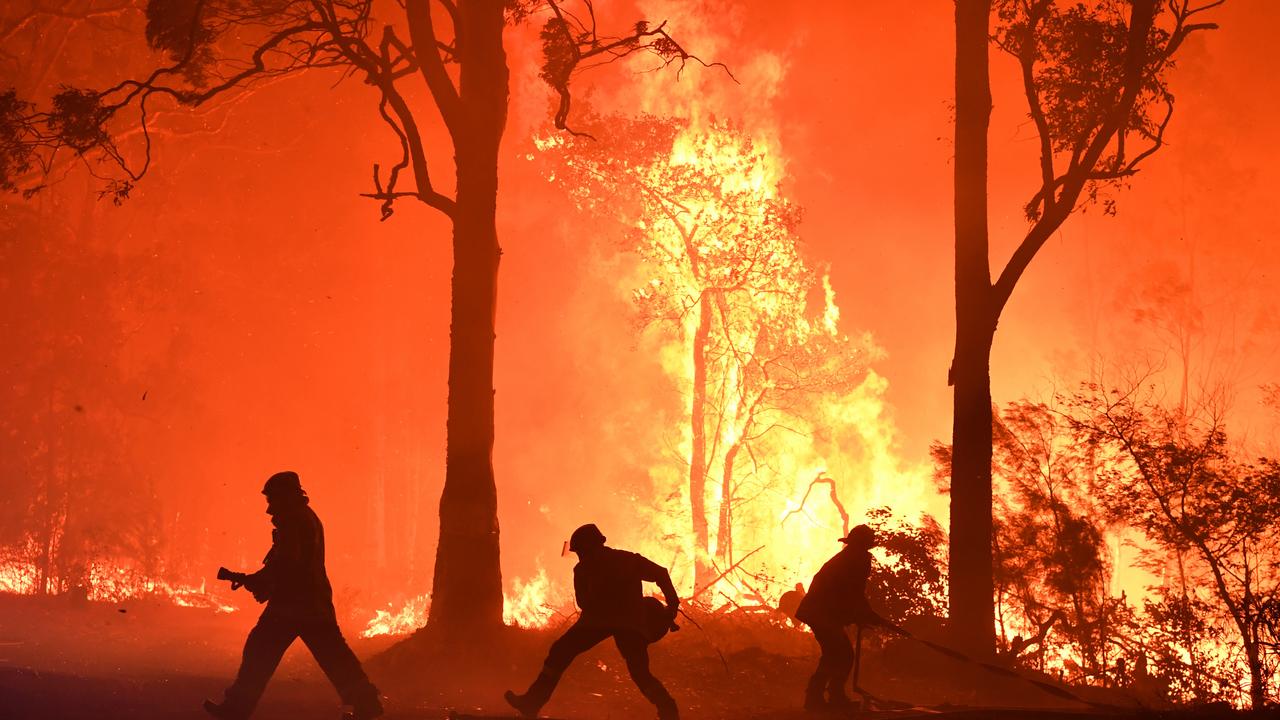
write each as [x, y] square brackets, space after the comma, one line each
[1103, 465]
[1094, 76]
[724, 277]
[1175, 476]
[450, 52]
[1052, 574]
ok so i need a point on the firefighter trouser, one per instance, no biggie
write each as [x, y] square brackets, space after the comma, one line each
[269, 640]
[836, 663]
[581, 638]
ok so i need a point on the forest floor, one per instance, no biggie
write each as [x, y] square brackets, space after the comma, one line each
[155, 660]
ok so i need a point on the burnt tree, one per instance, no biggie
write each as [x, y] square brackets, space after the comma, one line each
[1094, 79]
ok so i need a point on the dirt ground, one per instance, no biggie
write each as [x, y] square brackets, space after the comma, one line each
[155, 660]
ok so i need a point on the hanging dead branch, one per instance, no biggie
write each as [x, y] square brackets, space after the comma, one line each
[822, 479]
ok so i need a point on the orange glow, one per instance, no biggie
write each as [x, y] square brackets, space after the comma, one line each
[411, 616]
[532, 603]
[115, 583]
[246, 311]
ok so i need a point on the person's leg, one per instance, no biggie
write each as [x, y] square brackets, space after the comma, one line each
[263, 649]
[340, 664]
[840, 665]
[576, 640]
[635, 651]
[814, 695]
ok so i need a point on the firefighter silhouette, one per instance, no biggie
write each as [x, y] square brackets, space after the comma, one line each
[608, 585]
[299, 600]
[837, 597]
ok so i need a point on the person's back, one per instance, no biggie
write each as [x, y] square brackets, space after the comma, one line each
[296, 564]
[838, 593]
[609, 586]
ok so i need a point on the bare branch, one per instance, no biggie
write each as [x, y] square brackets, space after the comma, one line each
[568, 43]
[822, 479]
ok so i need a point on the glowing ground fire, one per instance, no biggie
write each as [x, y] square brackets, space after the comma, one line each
[113, 583]
[531, 603]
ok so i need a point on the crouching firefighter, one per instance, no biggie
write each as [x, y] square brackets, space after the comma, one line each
[295, 587]
[837, 597]
[608, 585]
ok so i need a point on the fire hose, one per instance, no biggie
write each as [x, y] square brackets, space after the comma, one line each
[954, 654]
[710, 642]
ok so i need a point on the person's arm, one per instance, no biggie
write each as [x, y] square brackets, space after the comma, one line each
[260, 583]
[859, 574]
[655, 573]
[278, 566]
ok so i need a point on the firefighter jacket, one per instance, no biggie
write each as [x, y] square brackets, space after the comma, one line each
[838, 593]
[293, 578]
[609, 587]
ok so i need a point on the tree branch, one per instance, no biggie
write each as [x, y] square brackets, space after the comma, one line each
[1079, 172]
[425, 42]
[568, 43]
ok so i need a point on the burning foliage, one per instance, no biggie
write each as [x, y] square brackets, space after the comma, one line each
[748, 330]
[1107, 469]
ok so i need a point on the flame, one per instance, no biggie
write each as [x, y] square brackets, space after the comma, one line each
[531, 603]
[18, 578]
[747, 328]
[844, 432]
[411, 616]
[114, 582]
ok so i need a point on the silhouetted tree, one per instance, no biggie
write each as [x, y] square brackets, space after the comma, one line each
[912, 583]
[1175, 476]
[1180, 643]
[1051, 572]
[455, 51]
[1094, 77]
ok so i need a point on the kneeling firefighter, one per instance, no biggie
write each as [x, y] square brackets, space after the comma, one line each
[609, 588]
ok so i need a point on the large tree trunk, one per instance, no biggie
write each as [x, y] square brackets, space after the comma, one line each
[972, 611]
[467, 595]
[698, 449]
[724, 533]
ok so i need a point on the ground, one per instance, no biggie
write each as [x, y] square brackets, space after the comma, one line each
[154, 660]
